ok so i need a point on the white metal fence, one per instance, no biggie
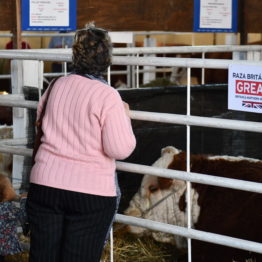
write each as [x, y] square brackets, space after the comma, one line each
[188, 120]
[248, 52]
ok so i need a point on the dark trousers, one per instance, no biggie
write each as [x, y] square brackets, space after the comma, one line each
[2, 258]
[67, 226]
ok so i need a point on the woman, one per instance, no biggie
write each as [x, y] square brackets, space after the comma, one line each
[73, 193]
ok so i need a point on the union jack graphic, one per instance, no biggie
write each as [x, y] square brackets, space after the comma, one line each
[251, 104]
[258, 105]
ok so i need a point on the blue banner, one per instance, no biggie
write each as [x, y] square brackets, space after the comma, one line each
[39, 15]
[215, 16]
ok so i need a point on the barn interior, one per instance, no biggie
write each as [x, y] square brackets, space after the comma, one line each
[153, 90]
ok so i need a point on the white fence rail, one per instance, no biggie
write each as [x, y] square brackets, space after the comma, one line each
[191, 233]
[211, 122]
[122, 60]
[248, 52]
[187, 49]
[161, 50]
[159, 117]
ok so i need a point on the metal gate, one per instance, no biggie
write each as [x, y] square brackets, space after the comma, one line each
[188, 120]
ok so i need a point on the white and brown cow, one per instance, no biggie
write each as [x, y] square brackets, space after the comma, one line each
[214, 209]
[6, 132]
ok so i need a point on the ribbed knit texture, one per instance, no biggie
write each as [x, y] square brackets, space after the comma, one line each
[85, 129]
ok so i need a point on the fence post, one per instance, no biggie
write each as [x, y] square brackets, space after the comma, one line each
[149, 76]
[22, 122]
[19, 119]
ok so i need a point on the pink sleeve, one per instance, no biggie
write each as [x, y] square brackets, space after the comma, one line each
[117, 134]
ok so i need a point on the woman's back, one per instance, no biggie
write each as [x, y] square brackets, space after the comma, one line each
[85, 128]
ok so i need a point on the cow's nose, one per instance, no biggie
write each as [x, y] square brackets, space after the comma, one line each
[153, 188]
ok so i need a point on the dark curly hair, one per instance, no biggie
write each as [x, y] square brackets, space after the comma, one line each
[92, 51]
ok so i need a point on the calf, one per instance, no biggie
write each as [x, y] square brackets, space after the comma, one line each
[6, 132]
[214, 209]
[5, 115]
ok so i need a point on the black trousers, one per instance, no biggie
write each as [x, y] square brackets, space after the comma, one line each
[2, 258]
[67, 226]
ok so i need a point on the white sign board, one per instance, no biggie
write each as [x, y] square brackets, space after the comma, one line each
[46, 13]
[122, 37]
[215, 14]
[33, 71]
[245, 88]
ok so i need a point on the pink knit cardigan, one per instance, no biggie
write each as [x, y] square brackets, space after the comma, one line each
[85, 129]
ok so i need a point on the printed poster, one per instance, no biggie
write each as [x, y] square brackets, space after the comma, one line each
[245, 88]
[215, 15]
[49, 15]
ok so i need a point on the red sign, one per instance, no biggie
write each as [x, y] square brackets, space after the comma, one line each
[249, 87]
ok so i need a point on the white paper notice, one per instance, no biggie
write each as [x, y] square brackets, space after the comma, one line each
[245, 88]
[49, 13]
[216, 14]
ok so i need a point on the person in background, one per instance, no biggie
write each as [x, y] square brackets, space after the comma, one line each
[24, 44]
[73, 194]
[10, 217]
[63, 41]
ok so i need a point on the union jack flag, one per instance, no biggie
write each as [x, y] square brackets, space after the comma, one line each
[251, 104]
[248, 104]
[258, 105]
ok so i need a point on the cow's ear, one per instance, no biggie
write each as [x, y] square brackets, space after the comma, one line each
[164, 183]
[178, 162]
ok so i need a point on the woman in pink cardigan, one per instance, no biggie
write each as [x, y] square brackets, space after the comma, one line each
[73, 187]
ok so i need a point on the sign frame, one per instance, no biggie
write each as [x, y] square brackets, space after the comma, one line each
[234, 19]
[245, 88]
[26, 18]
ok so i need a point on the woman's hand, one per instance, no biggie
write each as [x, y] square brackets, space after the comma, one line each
[126, 106]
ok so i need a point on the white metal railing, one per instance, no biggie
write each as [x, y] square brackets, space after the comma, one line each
[115, 72]
[191, 233]
[122, 60]
[180, 62]
[141, 169]
[56, 53]
[166, 118]
[162, 49]
[187, 49]
[249, 52]
[249, 126]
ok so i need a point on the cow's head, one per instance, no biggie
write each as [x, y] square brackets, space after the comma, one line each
[149, 190]
[162, 199]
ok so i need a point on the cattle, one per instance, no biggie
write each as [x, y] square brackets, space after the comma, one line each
[211, 76]
[5, 115]
[218, 210]
[6, 132]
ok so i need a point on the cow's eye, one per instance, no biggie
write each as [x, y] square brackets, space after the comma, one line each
[153, 188]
